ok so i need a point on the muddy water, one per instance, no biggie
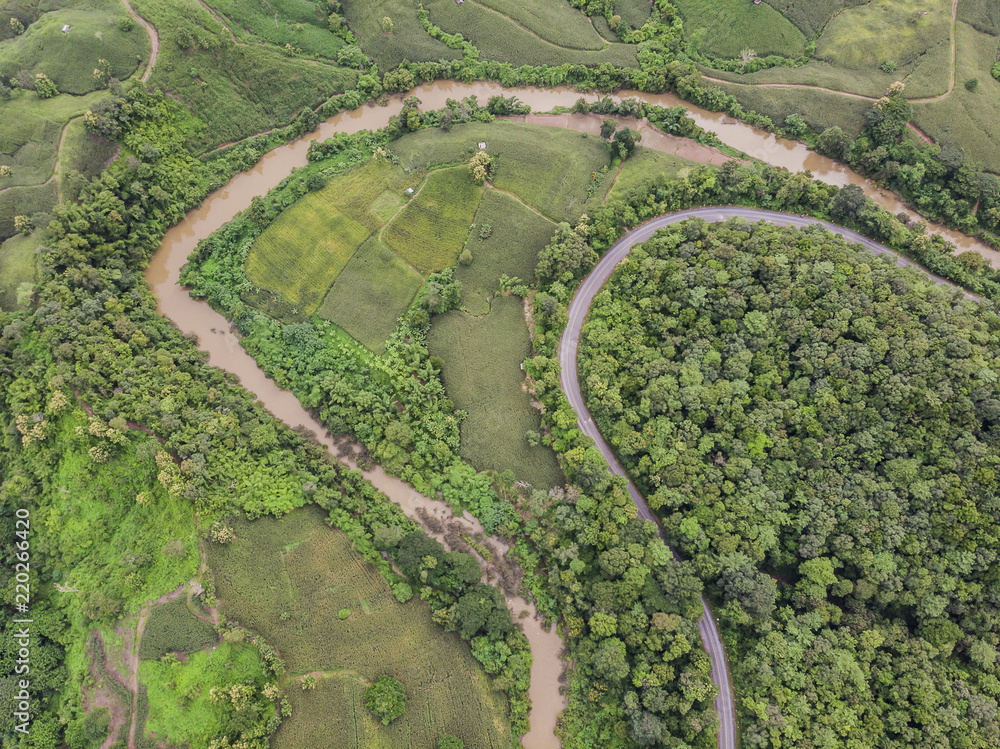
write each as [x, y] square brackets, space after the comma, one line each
[224, 350]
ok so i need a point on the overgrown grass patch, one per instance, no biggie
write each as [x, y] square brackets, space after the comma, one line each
[514, 236]
[982, 15]
[172, 627]
[558, 23]
[303, 251]
[288, 578]
[500, 38]
[810, 17]
[429, 232]
[69, 58]
[968, 120]
[17, 266]
[371, 294]
[634, 13]
[482, 374]
[33, 201]
[642, 166]
[407, 41]
[734, 25]
[83, 157]
[300, 23]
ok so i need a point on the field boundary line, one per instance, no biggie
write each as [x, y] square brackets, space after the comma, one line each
[393, 218]
[489, 185]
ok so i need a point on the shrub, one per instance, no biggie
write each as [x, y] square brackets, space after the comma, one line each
[386, 699]
[972, 84]
[22, 224]
[450, 742]
[387, 24]
[889, 66]
[344, 614]
[44, 86]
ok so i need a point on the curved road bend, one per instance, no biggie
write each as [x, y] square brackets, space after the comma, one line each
[568, 350]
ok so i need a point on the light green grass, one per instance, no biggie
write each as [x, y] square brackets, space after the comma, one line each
[301, 253]
[69, 58]
[17, 266]
[300, 567]
[735, 25]
[34, 201]
[968, 120]
[644, 165]
[408, 40]
[864, 37]
[550, 168]
[236, 90]
[173, 628]
[558, 23]
[367, 193]
[83, 157]
[301, 23]
[810, 17]
[430, 231]
[518, 235]
[634, 13]
[482, 374]
[982, 15]
[370, 294]
[196, 720]
[500, 38]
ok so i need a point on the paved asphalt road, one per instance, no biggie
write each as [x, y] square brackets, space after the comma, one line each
[568, 349]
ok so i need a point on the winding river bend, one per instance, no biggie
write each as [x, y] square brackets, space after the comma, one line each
[224, 350]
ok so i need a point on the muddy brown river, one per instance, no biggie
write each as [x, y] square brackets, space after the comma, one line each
[225, 352]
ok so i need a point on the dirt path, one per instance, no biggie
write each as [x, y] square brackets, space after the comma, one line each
[100, 695]
[154, 39]
[919, 133]
[490, 186]
[920, 100]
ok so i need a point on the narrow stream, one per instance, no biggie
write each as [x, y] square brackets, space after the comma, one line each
[225, 352]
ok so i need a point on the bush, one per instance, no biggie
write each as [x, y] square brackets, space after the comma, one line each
[44, 86]
[972, 84]
[386, 699]
[450, 742]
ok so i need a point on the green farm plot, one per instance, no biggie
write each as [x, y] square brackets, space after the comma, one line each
[516, 235]
[558, 23]
[482, 374]
[982, 15]
[287, 579]
[83, 157]
[301, 253]
[731, 26]
[430, 230]
[70, 58]
[866, 36]
[370, 295]
[407, 41]
[644, 165]
[237, 90]
[968, 120]
[17, 266]
[173, 628]
[34, 201]
[367, 193]
[500, 38]
[301, 23]
[810, 17]
[634, 13]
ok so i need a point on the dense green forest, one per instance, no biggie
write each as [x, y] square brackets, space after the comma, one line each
[818, 430]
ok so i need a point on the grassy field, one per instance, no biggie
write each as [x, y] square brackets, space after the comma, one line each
[301, 253]
[371, 193]
[982, 15]
[430, 230]
[69, 59]
[558, 23]
[287, 579]
[370, 294]
[301, 23]
[408, 40]
[173, 628]
[31, 201]
[236, 90]
[761, 28]
[634, 13]
[518, 234]
[968, 120]
[643, 166]
[500, 38]
[17, 266]
[482, 374]
[550, 168]
[810, 17]
[83, 157]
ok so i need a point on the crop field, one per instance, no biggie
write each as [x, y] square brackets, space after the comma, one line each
[558, 23]
[25, 201]
[83, 158]
[181, 710]
[500, 38]
[982, 15]
[69, 59]
[236, 90]
[517, 235]
[761, 28]
[812, 15]
[301, 23]
[301, 253]
[172, 627]
[17, 266]
[430, 231]
[408, 40]
[968, 120]
[644, 165]
[634, 13]
[372, 292]
[482, 374]
[366, 193]
[287, 579]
